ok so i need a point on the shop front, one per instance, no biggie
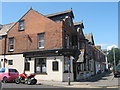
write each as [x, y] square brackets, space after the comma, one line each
[50, 64]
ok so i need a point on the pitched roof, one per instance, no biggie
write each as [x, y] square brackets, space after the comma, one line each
[78, 23]
[6, 28]
[60, 13]
[89, 37]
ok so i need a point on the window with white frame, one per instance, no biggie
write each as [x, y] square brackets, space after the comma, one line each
[40, 65]
[27, 66]
[10, 62]
[21, 25]
[55, 65]
[41, 40]
[11, 44]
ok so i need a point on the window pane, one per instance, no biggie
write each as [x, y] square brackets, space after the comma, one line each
[27, 66]
[10, 62]
[21, 25]
[11, 46]
[39, 44]
[38, 69]
[40, 65]
[41, 40]
[55, 66]
[11, 43]
[42, 44]
[43, 68]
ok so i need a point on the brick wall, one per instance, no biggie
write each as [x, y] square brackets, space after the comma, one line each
[0, 46]
[35, 23]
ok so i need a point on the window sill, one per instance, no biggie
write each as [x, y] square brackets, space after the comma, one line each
[40, 47]
[11, 50]
[20, 29]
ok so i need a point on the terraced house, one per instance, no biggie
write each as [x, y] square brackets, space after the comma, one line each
[47, 45]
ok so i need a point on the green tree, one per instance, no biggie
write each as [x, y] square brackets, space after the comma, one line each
[111, 57]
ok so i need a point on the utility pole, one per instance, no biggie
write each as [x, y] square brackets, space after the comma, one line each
[114, 58]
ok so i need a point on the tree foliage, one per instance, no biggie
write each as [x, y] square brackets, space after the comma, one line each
[110, 56]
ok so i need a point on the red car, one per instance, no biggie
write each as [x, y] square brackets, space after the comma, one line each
[8, 75]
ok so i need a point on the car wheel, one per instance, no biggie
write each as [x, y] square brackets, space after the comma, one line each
[5, 80]
[115, 75]
[17, 81]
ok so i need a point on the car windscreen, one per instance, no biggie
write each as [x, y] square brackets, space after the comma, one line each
[13, 71]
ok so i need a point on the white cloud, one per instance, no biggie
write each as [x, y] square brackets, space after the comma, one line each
[110, 47]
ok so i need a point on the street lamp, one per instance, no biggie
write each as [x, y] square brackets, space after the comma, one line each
[114, 58]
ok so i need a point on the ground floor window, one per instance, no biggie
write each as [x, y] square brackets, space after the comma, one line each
[55, 65]
[66, 62]
[40, 65]
[10, 62]
[27, 66]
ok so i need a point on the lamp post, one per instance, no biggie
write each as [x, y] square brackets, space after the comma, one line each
[114, 57]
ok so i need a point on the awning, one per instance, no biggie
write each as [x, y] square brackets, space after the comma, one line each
[81, 57]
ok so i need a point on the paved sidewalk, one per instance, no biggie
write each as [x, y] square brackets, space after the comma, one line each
[99, 81]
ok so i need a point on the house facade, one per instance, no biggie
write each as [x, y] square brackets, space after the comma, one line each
[52, 46]
[41, 45]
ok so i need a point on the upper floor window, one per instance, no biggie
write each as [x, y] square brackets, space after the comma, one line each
[41, 40]
[21, 25]
[11, 44]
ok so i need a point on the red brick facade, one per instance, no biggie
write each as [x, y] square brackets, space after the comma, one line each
[35, 23]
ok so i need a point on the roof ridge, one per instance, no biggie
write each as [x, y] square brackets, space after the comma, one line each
[49, 15]
[77, 23]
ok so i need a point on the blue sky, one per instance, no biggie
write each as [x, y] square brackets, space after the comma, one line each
[99, 18]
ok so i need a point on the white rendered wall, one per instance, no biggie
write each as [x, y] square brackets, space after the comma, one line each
[52, 75]
[18, 62]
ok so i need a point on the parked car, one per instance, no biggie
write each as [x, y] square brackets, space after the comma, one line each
[8, 74]
[116, 70]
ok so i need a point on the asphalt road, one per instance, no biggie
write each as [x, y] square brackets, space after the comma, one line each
[13, 85]
[101, 81]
